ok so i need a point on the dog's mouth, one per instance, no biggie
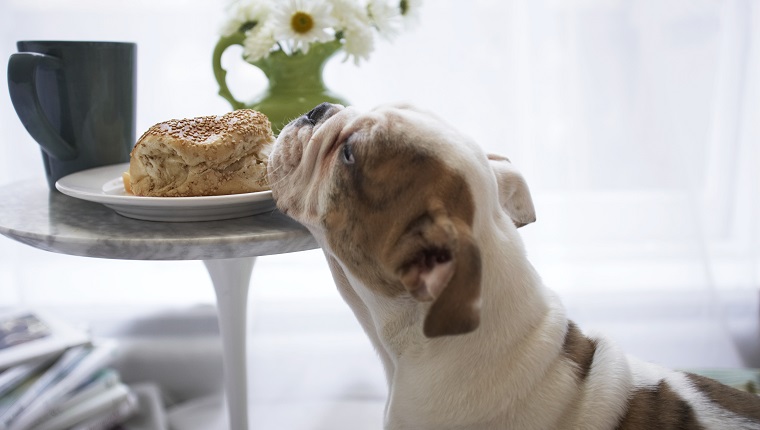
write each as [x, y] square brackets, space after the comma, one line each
[288, 148]
[295, 156]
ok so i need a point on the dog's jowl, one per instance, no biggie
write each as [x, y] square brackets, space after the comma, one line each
[419, 227]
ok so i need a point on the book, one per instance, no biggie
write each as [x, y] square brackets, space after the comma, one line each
[9, 399]
[151, 415]
[114, 402]
[115, 416]
[53, 376]
[16, 375]
[67, 374]
[102, 378]
[26, 335]
[96, 386]
[46, 379]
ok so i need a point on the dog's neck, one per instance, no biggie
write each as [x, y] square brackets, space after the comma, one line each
[514, 305]
[513, 296]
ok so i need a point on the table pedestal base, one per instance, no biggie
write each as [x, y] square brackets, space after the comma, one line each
[231, 278]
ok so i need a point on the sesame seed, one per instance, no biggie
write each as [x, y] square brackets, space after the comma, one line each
[200, 130]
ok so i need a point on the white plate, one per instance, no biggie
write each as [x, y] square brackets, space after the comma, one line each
[104, 185]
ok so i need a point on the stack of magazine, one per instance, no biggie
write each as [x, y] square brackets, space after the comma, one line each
[54, 377]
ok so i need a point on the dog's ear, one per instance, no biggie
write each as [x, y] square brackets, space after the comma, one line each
[514, 195]
[439, 262]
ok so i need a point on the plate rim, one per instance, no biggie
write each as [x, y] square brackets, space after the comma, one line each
[63, 185]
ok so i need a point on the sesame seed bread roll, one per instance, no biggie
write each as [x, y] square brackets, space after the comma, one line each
[204, 156]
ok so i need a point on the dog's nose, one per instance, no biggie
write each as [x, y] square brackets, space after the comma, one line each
[318, 112]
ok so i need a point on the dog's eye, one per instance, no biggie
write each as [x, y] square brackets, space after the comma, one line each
[348, 154]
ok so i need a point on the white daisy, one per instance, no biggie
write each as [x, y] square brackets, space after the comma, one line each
[246, 17]
[303, 22]
[258, 43]
[410, 9]
[346, 11]
[348, 14]
[386, 17]
[355, 28]
[294, 25]
[358, 43]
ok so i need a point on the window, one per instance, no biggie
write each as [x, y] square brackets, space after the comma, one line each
[635, 124]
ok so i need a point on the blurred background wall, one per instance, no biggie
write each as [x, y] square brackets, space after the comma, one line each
[635, 123]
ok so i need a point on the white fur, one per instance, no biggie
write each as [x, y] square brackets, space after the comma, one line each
[510, 373]
[711, 416]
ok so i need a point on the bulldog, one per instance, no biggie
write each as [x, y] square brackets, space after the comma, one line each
[419, 228]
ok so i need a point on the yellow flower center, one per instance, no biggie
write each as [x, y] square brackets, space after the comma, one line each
[301, 22]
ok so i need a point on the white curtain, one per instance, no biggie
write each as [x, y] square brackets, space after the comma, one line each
[643, 138]
[635, 123]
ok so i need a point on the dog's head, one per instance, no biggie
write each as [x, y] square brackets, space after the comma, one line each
[394, 194]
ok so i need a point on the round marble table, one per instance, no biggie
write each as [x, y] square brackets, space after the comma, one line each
[52, 221]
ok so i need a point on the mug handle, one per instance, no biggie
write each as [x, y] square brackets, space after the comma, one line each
[22, 85]
[219, 73]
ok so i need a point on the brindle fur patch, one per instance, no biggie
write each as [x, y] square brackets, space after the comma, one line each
[377, 199]
[739, 402]
[658, 408]
[580, 350]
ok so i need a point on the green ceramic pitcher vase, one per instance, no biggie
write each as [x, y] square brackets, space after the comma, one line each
[295, 81]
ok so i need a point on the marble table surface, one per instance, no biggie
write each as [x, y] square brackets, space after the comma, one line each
[32, 214]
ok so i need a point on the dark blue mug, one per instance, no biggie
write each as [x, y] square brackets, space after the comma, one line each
[77, 100]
